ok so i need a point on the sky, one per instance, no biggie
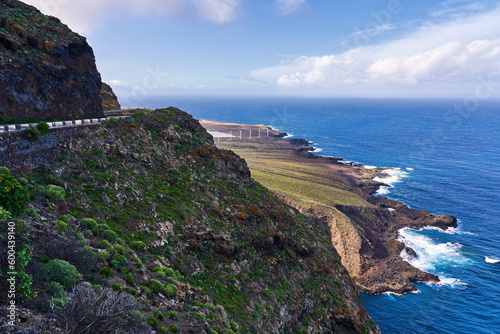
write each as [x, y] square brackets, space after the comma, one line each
[356, 48]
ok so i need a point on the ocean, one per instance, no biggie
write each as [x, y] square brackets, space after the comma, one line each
[448, 155]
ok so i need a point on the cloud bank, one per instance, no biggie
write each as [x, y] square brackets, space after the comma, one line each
[286, 7]
[456, 51]
[84, 15]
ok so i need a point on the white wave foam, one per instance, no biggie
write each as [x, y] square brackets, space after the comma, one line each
[394, 175]
[431, 256]
[491, 259]
[317, 150]
[410, 169]
[370, 167]
[289, 135]
[449, 281]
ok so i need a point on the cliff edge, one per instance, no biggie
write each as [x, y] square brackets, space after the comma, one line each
[46, 70]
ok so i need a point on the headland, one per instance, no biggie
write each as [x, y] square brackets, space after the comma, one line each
[364, 226]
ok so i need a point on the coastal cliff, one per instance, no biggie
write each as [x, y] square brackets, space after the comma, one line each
[109, 98]
[363, 228]
[46, 70]
[172, 210]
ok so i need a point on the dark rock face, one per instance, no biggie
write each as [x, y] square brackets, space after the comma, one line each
[109, 99]
[46, 70]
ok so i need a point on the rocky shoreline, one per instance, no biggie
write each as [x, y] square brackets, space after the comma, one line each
[364, 227]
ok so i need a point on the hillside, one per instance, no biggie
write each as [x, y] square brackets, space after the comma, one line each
[46, 70]
[182, 226]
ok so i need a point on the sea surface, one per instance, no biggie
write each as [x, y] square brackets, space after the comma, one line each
[448, 157]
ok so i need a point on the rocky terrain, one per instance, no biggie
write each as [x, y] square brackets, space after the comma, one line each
[363, 227]
[109, 99]
[181, 225]
[46, 70]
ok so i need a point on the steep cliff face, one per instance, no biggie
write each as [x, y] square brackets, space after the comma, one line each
[244, 260]
[109, 99]
[46, 70]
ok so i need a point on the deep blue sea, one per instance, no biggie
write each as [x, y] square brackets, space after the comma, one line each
[449, 154]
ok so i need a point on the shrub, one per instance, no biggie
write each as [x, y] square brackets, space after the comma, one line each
[62, 272]
[103, 227]
[98, 311]
[119, 248]
[211, 331]
[60, 226]
[32, 133]
[174, 328]
[88, 223]
[169, 272]
[170, 290]
[4, 170]
[155, 285]
[119, 261]
[164, 330]
[152, 321]
[33, 213]
[198, 317]
[116, 288]
[133, 292]
[103, 244]
[42, 127]
[103, 255]
[56, 290]
[158, 314]
[52, 192]
[106, 272]
[13, 197]
[171, 314]
[64, 218]
[129, 279]
[139, 245]
[109, 235]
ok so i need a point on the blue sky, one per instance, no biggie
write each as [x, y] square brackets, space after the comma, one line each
[367, 48]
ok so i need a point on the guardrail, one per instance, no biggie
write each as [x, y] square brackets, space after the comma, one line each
[62, 124]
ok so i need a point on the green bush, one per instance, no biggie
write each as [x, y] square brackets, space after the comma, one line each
[60, 226]
[88, 223]
[152, 321]
[198, 317]
[103, 244]
[33, 213]
[32, 133]
[129, 279]
[133, 292]
[158, 314]
[56, 290]
[53, 192]
[62, 272]
[170, 290]
[174, 328]
[109, 235]
[155, 285]
[139, 245]
[106, 272]
[4, 170]
[42, 127]
[116, 288]
[164, 330]
[119, 248]
[13, 197]
[103, 227]
[171, 314]
[103, 255]
[211, 331]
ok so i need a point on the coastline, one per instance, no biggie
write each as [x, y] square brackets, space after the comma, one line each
[364, 227]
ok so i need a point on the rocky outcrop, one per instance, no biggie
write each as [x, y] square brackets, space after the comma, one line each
[109, 99]
[46, 70]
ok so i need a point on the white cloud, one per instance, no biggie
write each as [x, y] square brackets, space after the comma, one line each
[456, 51]
[118, 83]
[286, 7]
[84, 15]
[218, 11]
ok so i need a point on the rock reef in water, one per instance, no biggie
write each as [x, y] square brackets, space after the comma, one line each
[46, 70]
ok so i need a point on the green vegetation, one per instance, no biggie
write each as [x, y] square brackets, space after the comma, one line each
[62, 272]
[56, 289]
[88, 223]
[53, 192]
[13, 197]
